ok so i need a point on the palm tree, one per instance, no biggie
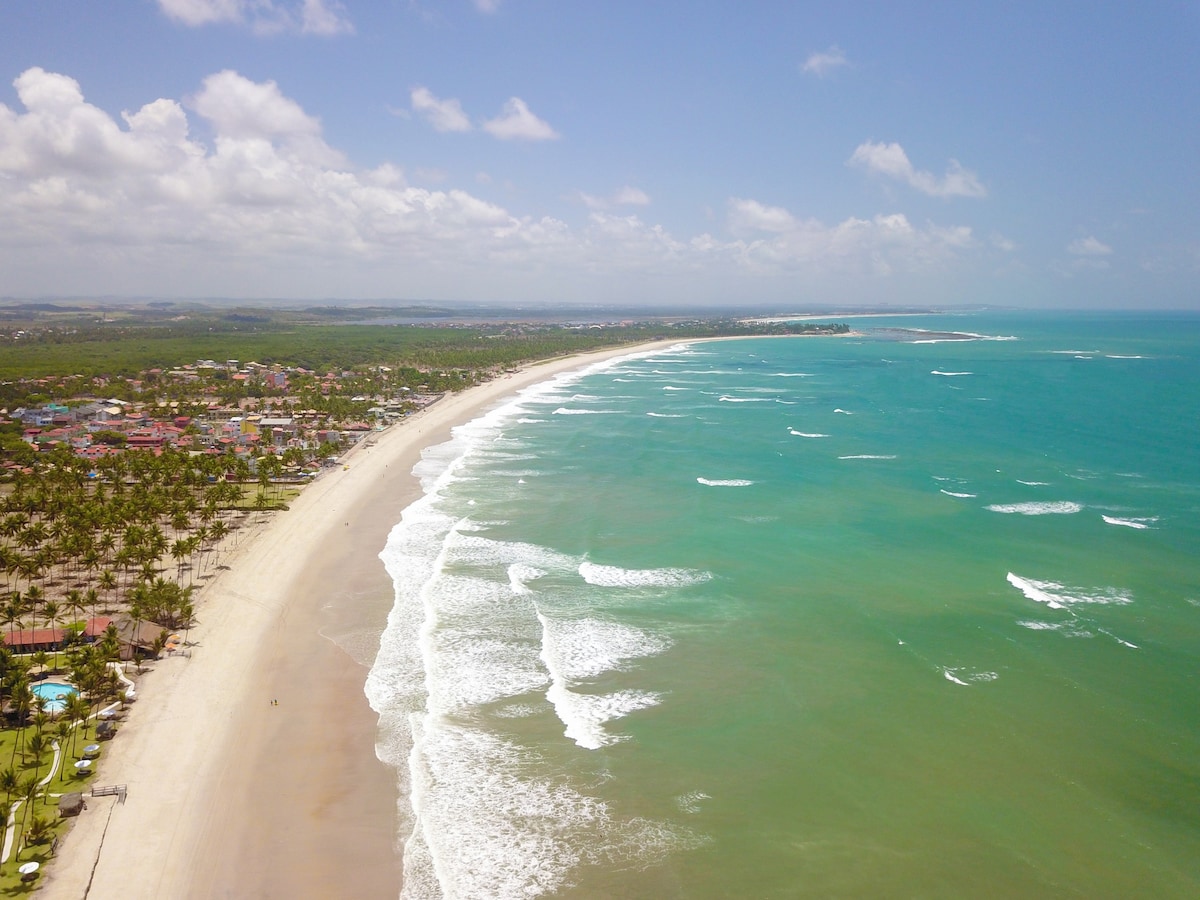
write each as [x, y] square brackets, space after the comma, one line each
[50, 617]
[108, 584]
[28, 792]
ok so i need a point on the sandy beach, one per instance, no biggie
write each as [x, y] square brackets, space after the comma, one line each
[229, 793]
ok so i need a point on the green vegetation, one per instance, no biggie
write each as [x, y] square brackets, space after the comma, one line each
[129, 341]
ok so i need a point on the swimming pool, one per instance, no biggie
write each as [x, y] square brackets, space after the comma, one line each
[54, 693]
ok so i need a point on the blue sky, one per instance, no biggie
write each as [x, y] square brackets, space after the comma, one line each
[805, 154]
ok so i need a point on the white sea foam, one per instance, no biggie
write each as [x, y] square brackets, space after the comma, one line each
[1056, 507]
[728, 482]
[524, 420]
[1121, 641]
[579, 649]
[868, 456]
[727, 399]
[956, 336]
[950, 374]
[805, 434]
[1140, 523]
[488, 818]
[844, 412]
[1034, 483]
[519, 574]
[570, 411]
[1034, 625]
[575, 650]
[671, 387]
[584, 715]
[690, 802]
[1120, 356]
[957, 494]
[967, 677]
[488, 829]
[517, 711]
[658, 415]
[614, 576]
[791, 375]
[1059, 596]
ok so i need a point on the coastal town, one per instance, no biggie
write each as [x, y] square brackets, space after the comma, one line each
[249, 411]
[118, 497]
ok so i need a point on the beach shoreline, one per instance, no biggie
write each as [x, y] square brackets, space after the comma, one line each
[250, 766]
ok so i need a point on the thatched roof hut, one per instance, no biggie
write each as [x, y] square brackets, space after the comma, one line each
[70, 804]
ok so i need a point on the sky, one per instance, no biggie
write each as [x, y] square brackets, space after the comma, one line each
[752, 154]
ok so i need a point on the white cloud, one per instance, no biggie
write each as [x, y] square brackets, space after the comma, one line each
[750, 215]
[443, 115]
[891, 160]
[517, 123]
[631, 196]
[325, 18]
[825, 61]
[1088, 246]
[625, 196]
[770, 237]
[203, 12]
[93, 203]
[319, 17]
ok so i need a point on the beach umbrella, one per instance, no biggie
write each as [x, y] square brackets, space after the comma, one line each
[83, 765]
[91, 750]
[28, 870]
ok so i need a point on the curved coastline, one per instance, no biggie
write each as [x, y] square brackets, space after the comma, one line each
[229, 794]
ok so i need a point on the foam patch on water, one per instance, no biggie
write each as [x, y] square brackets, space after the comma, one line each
[950, 374]
[517, 711]
[727, 482]
[1060, 596]
[1033, 625]
[571, 411]
[575, 650]
[519, 574]
[1051, 508]
[580, 649]
[957, 494]
[868, 456]
[1139, 523]
[690, 802]
[489, 829]
[614, 576]
[967, 677]
[844, 412]
[806, 434]
[658, 415]
[584, 715]
[942, 337]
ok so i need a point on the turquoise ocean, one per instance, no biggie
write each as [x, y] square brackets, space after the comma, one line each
[909, 613]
